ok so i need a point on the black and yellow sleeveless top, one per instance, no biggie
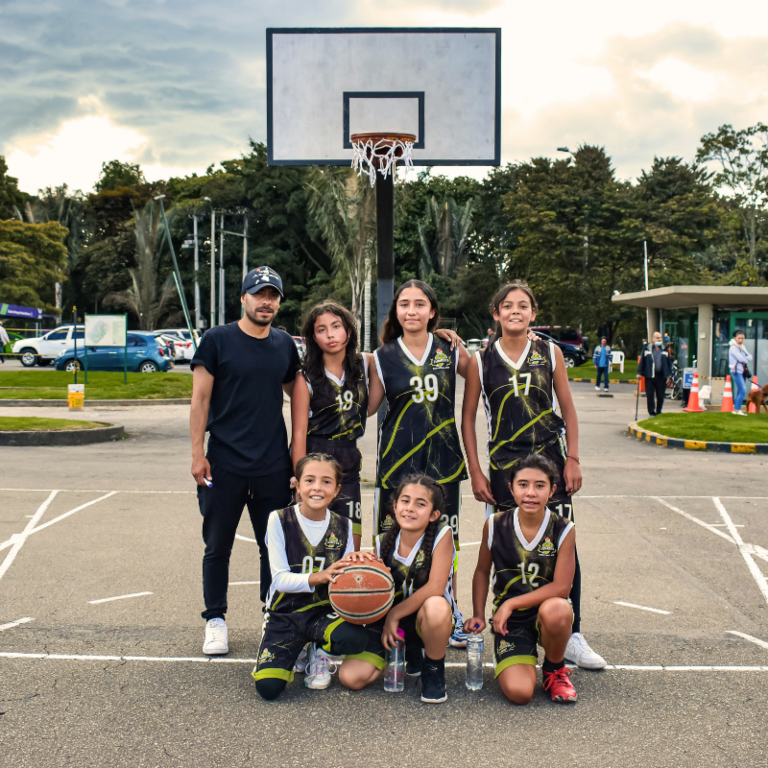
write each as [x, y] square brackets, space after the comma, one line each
[338, 409]
[419, 432]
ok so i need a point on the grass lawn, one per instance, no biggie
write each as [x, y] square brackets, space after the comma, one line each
[588, 371]
[102, 385]
[710, 427]
[16, 423]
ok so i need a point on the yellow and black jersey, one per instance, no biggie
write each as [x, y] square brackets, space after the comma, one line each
[520, 566]
[520, 402]
[419, 431]
[338, 408]
[305, 558]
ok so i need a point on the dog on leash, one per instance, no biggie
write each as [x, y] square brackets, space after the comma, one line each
[759, 399]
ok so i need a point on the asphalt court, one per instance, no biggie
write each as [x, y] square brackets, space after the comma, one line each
[655, 531]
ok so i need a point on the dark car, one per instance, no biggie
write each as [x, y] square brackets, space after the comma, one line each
[144, 352]
[573, 354]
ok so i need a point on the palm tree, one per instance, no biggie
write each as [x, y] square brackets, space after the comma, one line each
[143, 298]
[344, 210]
[452, 225]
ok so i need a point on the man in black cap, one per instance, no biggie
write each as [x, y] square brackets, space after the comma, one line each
[240, 372]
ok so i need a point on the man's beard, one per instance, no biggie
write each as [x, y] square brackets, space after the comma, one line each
[252, 315]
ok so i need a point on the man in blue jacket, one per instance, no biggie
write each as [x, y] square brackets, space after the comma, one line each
[602, 360]
[656, 367]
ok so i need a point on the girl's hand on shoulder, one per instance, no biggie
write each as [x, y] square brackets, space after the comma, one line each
[448, 335]
[501, 616]
[475, 625]
[572, 476]
[532, 336]
[389, 634]
[328, 576]
[481, 487]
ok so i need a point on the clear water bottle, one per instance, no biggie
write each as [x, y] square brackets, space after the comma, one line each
[475, 647]
[394, 674]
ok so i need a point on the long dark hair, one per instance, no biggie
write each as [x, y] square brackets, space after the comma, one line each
[314, 366]
[498, 300]
[428, 542]
[391, 327]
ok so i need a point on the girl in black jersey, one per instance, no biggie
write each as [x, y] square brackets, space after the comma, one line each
[329, 405]
[528, 403]
[415, 369]
[418, 549]
[532, 550]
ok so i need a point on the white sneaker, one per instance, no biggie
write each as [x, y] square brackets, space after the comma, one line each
[597, 388]
[578, 652]
[216, 637]
[739, 413]
[319, 669]
[301, 663]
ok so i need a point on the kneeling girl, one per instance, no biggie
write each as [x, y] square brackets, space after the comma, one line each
[418, 549]
[307, 543]
[532, 552]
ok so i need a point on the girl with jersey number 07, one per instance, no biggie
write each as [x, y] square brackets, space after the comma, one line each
[545, 615]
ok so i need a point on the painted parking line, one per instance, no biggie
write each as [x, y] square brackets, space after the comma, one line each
[751, 639]
[12, 624]
[118, 597]
[241, 583]
[16, 542]
[641, 607]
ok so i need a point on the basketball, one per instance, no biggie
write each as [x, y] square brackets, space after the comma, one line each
[364, 593]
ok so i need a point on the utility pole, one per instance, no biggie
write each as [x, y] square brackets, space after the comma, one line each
[197, 270]
[213, 264]
[221, 271]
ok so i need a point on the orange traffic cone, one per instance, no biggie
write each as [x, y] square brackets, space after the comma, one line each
[693, 400]
[752, 408]
[727, 405]
[640, 379]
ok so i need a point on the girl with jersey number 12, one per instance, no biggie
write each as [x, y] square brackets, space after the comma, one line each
[524, 384]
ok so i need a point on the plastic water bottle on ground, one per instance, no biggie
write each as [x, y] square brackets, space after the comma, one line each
[394, 674]
[475, 647]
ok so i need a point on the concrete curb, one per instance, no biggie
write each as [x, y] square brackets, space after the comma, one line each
[90, 403]
[693, 445]
[611, 381]
[106, 433]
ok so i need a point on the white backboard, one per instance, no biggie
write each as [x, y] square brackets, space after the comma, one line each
[443, 85]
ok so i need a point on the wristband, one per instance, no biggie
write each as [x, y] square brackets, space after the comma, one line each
[574, 458]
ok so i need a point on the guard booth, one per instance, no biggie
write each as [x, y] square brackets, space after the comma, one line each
[710, 315]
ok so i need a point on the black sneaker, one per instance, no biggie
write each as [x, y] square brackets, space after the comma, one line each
[433, 681]
[413, 661]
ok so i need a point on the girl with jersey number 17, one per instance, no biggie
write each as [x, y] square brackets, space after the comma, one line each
[522, 382]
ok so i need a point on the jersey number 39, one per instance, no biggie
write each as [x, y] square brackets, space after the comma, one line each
[426, 387]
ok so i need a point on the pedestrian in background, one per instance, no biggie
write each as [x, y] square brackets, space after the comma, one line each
[602, 359]
[738, 357]
[656, 366]
[489, 336]
[4, 339]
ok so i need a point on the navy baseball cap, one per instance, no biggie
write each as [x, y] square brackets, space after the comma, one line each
[260, 278]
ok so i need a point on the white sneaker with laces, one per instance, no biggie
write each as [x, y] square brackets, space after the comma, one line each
[578, 652]
[301, 663]
[319, 669]
[216, 638]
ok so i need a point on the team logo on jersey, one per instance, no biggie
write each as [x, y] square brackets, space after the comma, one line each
[332, 542]
[504, 646]
[387, 522]
[266, 656]
[441, 361]
[536, 359]
[419, 561]
[547, 548]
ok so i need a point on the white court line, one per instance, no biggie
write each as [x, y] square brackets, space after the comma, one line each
[452, 664]
[240, 583]
[757, 575]
[641, 607]
[18, 539]
[751, 639]
[696, 520]
[245, 538]
[118, 597]
[12, 624]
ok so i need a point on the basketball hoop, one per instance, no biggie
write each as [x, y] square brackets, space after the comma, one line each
[382, 152]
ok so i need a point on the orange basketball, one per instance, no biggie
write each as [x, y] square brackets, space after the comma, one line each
[364, 593]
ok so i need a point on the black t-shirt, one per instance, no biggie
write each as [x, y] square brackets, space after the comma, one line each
[245, 419]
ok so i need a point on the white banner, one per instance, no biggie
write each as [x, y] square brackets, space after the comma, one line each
[105, 330]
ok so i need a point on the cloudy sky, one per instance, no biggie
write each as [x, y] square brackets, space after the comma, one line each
[177, 85]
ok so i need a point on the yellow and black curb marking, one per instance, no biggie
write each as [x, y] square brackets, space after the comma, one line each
[694, 445]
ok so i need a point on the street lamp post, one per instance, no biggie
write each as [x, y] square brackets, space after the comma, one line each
[213, 263]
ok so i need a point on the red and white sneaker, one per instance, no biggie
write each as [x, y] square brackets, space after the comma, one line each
[559, 686]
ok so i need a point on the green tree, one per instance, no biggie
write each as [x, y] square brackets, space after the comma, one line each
[452, 225]
[116, 174]
[32, 259]
[12, 199]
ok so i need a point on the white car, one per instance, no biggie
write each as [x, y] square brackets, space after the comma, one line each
[185, 343]
[43, 350]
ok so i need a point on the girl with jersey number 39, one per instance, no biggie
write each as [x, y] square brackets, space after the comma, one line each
[522, 382]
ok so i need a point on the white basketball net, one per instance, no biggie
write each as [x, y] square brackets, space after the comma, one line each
[382, 155]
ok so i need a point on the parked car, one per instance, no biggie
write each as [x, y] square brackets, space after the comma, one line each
[145, 353]
[170, 342]
[573, 354]
[45, 349]
[566, 334]
[184, 349]
[301, 346]
[185, 342]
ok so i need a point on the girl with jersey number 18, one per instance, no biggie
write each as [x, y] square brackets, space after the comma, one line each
[524, 384]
